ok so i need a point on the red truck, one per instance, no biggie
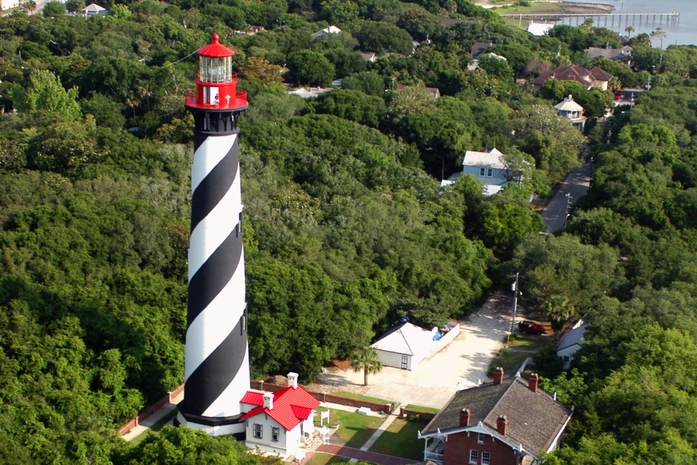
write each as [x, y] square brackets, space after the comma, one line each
[528, 327]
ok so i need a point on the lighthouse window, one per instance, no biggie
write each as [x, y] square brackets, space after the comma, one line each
[274, 433]
[215, 69]
[258, 430]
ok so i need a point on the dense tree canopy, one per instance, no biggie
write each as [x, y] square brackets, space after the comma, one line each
[347, 228]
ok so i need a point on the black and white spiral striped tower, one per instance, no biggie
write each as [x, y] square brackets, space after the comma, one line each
[217, 356]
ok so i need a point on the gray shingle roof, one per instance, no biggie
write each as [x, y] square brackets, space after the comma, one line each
[534, 418]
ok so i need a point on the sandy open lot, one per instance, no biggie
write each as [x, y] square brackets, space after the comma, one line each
[461, 364]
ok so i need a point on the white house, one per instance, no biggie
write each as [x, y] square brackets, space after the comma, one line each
[93, 9]
[488, 167]
[8, 4]
[539, 29]
[570, 343]
[327, 30]
[310, 92]
[277, 423]
[405, 345]
[572, 111]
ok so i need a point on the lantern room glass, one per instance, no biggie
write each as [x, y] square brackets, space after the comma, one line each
[215, 69]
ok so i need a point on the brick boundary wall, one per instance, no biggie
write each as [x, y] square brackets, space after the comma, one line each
[262, 386]
[425, 416]
[322, 397]
[135, 421]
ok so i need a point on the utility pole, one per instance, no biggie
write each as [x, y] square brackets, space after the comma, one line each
[514, 288]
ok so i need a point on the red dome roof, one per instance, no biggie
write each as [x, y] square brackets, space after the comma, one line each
[215, 49]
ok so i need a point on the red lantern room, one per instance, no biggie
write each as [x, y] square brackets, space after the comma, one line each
[217, 103]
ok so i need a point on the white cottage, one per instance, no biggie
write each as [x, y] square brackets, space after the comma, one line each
[8, 4]
[570, 343]
[405, 345]
[569, 109]
[278, 422]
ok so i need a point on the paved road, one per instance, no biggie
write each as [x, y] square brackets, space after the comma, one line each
[576, 185]
[461, 364]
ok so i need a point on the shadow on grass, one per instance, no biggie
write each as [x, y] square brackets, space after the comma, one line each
[400, 440]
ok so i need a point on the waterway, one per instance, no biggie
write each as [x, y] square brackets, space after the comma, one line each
[682, 32]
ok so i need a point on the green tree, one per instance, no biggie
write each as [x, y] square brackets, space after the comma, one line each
[54, 9]
[310, 68]
[384, 37]
[352, 105]
[368, 82]
[366, 360]
[45, 95]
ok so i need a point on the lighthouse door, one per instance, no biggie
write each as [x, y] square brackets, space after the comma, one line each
[211, 95]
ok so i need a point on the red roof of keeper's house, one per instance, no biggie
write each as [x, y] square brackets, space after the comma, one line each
[253, 398]
[215, 49]
[290, 406]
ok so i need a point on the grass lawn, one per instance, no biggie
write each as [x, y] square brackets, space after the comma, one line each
[400, 440]
[510, 361]
[527, 342]
[319, 458]
[421, 408]
[533, 8]
[354, 429]
[352, 395]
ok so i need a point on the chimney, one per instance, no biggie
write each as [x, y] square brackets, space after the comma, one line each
[465, 417]
[268, 400]
[532, 382]
[498, 375]
[501, 424]
[293, 380]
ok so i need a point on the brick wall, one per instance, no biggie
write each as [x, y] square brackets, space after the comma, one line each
[132, 423]
[422, 416]
[262, 386]
[458, 447]
[135, 421]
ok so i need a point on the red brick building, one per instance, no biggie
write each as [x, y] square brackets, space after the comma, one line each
[507, 422]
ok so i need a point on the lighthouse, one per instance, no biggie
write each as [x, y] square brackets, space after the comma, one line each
[216, 371]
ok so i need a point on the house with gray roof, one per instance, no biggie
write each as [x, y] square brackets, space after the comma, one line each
[623, 55]
[488, 167]
[507, 422]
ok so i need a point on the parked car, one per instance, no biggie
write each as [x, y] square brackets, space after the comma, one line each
[528, 327]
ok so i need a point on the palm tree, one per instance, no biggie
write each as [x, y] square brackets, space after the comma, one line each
[366, 359]
[629, 30]
[559, 311]
[29, 6]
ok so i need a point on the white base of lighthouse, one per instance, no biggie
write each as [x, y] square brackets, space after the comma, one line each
[224, 430]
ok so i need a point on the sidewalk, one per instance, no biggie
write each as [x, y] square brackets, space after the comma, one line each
[152, 419]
